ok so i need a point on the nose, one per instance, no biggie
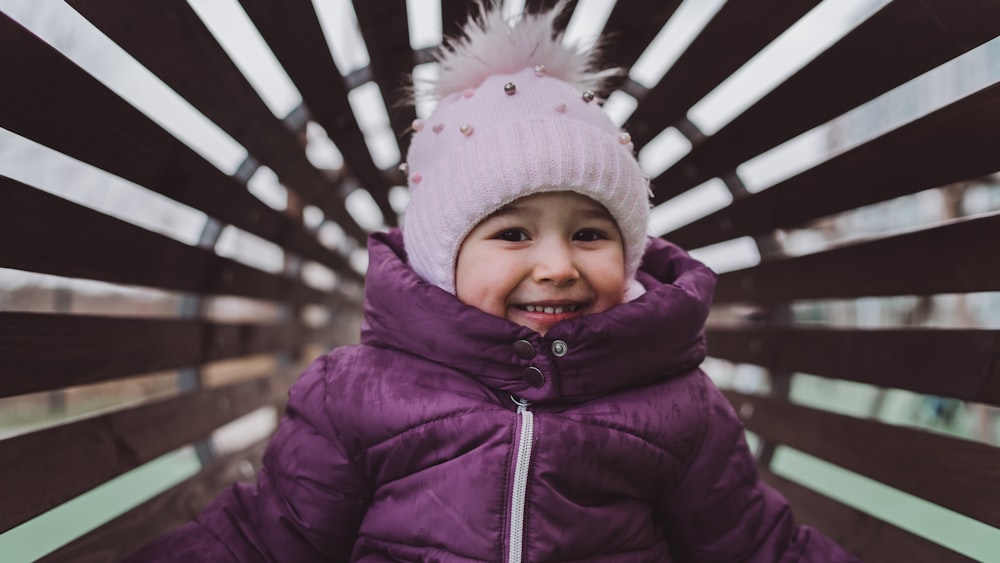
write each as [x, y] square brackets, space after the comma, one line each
[555, 264]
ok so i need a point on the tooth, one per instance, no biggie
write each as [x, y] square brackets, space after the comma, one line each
[549, 310]
[558, 310]
[529, 308]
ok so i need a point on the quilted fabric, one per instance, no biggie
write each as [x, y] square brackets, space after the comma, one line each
[404, 448]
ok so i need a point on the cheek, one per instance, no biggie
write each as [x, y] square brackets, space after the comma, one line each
[481, 291]
[468, 285]
[471, 289]
[611, 293]
[608, 282]
[478, 282]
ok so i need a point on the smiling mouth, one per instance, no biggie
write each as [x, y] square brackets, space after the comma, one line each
[549, 309]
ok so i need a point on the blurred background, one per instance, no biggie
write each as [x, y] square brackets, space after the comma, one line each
[74, 36]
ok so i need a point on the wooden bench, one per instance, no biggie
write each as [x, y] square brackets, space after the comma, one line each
[808, 373]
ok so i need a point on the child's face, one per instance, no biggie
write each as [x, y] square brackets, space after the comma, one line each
[543, 259]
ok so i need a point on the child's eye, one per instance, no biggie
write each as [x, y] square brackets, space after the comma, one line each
[588, 235]
[512, 235]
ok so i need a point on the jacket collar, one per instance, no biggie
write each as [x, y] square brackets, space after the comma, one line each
[652, 337]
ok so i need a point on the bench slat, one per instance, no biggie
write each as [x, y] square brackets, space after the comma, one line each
[917, 156]
[292, 31]
[98, 127]
[173, 508]
[954, 258]
[867, 537]
[957, 474]
[949, 363]
[744, 28]
[631, 26]
[386, 32]
[453, 15]
[170, 40]
[43, 352]
[910, 39]
[100, 448]
[108, 249]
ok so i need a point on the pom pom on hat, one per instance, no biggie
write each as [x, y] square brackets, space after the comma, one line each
[516, 116]
[490, 45]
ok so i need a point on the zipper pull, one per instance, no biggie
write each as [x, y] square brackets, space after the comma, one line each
[522, 404]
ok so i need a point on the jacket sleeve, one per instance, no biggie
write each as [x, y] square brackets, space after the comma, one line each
[722, 511]
[306, 505]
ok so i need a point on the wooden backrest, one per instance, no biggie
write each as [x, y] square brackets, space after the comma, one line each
[51, 101]
[780, 314]
[809, 367]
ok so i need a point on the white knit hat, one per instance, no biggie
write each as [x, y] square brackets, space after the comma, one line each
[516, 117]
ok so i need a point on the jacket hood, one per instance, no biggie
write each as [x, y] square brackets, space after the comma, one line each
[657, 335]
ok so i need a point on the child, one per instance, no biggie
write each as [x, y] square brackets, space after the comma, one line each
[523, 391]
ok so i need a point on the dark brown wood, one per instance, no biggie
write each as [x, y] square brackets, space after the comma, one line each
[869, 538]
[98, 449]
[964, 364]
[562, 20]
[952, 144]
[955, 258]
[954, 473]
[386, 33]
[180, 504]
[909, 39]
[454, 14]
[631, 25]
[98, 127]
[92, 124]
[170, 40]
[42, 352]
[737, 32]
[92, 245]
[292, 31]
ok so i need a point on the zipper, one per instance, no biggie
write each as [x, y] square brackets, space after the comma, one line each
[521, 463]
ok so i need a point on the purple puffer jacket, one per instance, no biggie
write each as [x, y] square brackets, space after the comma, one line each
[412, 446]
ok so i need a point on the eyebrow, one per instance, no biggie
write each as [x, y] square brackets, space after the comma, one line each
[594, 211]
[597, 213]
